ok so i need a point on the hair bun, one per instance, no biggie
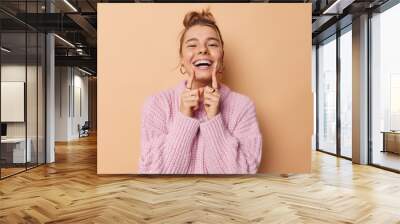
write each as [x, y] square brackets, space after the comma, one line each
[194, 17]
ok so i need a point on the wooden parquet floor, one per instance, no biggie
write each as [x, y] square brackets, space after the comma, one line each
[69, 191]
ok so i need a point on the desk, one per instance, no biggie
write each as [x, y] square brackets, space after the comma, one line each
[15, 148]
[391, 141]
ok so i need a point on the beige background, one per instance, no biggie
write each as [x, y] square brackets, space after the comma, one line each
[267, 57]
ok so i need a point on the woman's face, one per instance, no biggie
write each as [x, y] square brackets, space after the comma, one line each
[201, 49]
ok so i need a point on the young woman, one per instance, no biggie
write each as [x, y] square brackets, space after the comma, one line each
[200, 126]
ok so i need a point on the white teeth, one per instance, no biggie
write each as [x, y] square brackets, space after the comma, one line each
[202, 61]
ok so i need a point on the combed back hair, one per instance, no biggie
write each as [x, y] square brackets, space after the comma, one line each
[204, 18]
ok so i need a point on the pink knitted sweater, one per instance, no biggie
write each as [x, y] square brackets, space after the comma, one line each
[172, 143]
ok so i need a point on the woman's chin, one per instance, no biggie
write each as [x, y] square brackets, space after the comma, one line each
[203, 78]
[203, 74]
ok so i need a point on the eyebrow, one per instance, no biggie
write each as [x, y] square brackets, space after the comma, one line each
[195, 39]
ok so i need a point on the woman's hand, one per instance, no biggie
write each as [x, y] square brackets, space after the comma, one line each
[212, 96]
[189, 98]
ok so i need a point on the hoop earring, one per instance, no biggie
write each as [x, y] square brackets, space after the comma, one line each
[180, 69]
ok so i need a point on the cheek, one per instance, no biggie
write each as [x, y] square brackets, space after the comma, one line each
[187, 57]
[217, 54]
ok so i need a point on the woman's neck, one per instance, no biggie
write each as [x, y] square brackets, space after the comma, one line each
[197, 84]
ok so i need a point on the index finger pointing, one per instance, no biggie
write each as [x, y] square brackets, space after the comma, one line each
[214, 76]
[190, 81]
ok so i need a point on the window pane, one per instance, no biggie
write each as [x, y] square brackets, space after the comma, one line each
[327, 96]
[314, 78]
[385, 88]
[346, 94]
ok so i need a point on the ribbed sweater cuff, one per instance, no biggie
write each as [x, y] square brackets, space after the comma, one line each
[184, 128]
[215, 130]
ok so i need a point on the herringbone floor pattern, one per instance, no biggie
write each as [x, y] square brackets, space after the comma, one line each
[69, 191]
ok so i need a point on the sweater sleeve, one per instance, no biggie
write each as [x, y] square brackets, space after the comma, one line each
[236, 152]
[165, 150]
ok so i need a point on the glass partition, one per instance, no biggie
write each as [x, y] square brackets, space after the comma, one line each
[13, 95]
[22, 77]
[385, 89]
[327, 95]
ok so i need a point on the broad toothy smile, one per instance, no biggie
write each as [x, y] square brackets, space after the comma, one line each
[203, 63]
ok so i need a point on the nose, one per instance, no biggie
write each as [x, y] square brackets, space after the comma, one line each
[203, 50]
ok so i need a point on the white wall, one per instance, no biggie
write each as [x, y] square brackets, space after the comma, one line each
[16, 72]
[62, 81]
[79, 117]
[70, 84]
[12, 73]
[33, 127]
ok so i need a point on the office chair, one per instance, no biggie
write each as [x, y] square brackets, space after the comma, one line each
[84, 130]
